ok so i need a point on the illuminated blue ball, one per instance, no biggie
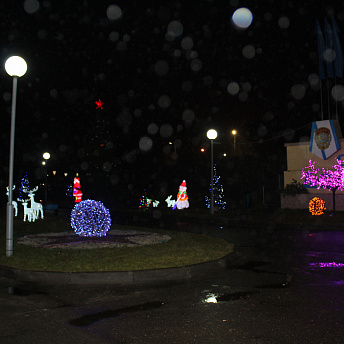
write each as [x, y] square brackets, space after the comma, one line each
[90, 219]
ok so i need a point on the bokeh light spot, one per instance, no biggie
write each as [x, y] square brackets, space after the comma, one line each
[329, 55]
[114, 12]
[242, 17]
[249, 51]
[283, 22]
[107, 166]
[338, 92]
[152, 128]
[196, 65]
[161, 67]
[175, 28]
[166, 130]
[145, 143]
[31, 6]
[233, 88]
[164, 101]
[188, 116]
[298, 91]
[187, 43]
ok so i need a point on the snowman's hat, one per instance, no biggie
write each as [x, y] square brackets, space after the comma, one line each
[183, 185]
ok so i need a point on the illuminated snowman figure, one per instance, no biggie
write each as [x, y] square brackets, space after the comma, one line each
[182, 197]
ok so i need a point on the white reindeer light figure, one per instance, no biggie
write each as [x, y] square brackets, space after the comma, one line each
[14, 203]
[170, 202]
[28, 212]
[37, 208]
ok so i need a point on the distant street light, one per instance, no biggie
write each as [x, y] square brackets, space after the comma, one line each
[212, 135]
[46, 156]
[16, 67]
[234, 133]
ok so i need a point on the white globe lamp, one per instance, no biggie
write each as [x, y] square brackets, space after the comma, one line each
[16, 66]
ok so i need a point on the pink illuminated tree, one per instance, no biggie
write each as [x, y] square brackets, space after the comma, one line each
[331, 179]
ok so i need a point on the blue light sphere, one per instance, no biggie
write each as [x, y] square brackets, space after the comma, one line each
[90, 218]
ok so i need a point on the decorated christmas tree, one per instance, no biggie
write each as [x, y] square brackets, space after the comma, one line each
[144, 202]
[219, 201]
[24, 187]
[69, 191]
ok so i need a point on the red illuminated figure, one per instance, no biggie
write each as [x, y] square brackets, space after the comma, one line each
[182, 197]
[77, 194]
[99, 104]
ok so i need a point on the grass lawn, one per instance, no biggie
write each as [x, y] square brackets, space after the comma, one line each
[183, 249]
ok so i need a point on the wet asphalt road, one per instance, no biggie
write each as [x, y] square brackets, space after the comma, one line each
[277, 291]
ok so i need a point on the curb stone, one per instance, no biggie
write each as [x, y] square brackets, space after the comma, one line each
[120, 277]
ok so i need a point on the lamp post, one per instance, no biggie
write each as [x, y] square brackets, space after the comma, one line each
[16, 67]
[234, 133]
[46, 156]
[212, 135]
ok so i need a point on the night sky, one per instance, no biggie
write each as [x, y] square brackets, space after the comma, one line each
[165, 73]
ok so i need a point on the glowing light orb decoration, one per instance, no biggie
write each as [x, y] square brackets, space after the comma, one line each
[90, 218]
[242, 17]
[316, 206]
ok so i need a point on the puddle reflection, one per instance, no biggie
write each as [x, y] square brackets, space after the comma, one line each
[326, 265]
[326, 241]
[215, 298]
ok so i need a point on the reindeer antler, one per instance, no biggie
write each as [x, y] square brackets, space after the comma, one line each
[23, 200]
[30, 191]
[8, 189]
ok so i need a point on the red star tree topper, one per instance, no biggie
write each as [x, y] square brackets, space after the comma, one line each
[99, 104]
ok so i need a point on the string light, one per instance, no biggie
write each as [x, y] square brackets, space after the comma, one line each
[218, 193]
[316, 206]
[90, 218]
[329, 179]
[144, 202]
[24, 186]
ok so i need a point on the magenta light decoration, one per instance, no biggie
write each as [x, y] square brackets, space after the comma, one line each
[90, 218]
[331, 179]
[328, 179]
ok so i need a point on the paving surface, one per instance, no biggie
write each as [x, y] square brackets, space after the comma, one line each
[275, 291]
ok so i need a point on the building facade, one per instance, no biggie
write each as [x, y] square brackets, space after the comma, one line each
[298, 156]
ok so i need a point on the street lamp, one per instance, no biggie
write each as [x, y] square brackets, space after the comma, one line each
[16, 67]
[46, 156]
[234, 133]
[212, 135]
